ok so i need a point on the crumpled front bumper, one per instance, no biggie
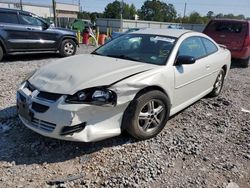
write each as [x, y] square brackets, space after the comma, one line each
[51, 117]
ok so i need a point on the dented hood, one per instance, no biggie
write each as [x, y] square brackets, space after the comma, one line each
[69, 75]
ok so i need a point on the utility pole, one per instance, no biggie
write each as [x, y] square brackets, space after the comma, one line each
[185, 7]
[54, 11]
[79, 4]
[21, 4]
[121, 7]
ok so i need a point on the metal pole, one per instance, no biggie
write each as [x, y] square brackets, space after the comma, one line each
[21, 4]
[79, 4]
[54, 12]
[121, 7]
[185, 10]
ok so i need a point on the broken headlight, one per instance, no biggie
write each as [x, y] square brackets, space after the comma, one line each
[28, 76]
[96, 96]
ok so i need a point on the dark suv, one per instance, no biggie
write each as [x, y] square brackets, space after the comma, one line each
[22, 31]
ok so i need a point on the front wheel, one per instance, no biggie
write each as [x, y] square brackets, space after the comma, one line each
[147, 115]
[1, 53]
[218, 84]
[67, 48]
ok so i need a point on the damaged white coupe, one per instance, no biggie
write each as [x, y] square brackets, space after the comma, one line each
[133, 83]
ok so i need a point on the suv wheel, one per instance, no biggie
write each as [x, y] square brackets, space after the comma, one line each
[1, 53]
[146, 115]
[245, 62]
[68, 48]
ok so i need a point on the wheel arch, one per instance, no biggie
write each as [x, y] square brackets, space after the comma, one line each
[68, 37]
[152, 88]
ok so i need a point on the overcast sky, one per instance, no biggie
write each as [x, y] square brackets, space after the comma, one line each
[201, 6]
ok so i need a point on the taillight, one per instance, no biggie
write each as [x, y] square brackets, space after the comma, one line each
[247, 41]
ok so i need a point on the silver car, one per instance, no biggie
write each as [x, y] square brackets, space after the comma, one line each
[134, 83]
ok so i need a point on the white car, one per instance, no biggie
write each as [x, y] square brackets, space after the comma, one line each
[133, 83]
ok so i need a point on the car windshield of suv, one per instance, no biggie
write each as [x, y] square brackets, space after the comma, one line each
[153, 49]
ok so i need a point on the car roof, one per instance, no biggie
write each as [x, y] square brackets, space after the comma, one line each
[14, 11]
[167, 32]
[230, 20]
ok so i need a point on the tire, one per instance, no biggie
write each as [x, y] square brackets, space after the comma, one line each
[218, 84]
[245, 62]
[1, 53]
[146, 115]
[67, 48]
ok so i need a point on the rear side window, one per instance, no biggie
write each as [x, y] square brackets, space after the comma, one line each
[8, 18]
[209, 45]
[226, 27]
[192, 46]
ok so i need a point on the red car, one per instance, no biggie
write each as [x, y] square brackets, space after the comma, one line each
[234, 34]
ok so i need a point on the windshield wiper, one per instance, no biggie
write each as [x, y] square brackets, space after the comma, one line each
[95, 53]
[124, 57]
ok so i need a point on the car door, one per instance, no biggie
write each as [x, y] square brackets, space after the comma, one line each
[36, 34]
[191, 80]
[10, 30]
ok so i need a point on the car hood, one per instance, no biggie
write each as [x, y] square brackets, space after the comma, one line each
[63, 30]
[69, 75]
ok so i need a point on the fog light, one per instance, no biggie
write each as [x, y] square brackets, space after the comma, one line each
[69, 130]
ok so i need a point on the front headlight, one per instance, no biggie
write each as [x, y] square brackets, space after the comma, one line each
[96, 96]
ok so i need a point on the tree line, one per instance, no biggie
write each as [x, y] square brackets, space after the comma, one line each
[153, 10]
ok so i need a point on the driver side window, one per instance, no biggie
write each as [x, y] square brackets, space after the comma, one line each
[192, 46]
[29, 20]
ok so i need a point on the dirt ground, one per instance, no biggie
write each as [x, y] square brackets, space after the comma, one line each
[205, 145]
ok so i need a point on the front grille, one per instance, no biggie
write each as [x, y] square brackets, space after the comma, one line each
[39, 107]
[49, 96]
[43, 125]
[30, 87]
[22, 98]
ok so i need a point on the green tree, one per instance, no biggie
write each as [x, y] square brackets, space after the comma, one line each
[155, 10]
[195, 18]
[210, 14]
[113, 10]
[95, 15]
[84, 15]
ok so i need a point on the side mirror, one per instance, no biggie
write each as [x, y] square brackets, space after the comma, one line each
[181, 60]
[45, 26]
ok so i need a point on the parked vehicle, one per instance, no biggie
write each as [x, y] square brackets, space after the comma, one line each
[22, 31]
[122, 86]
[117, 34]
[234, 34]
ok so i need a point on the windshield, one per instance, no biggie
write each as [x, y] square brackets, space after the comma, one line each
[153, 49]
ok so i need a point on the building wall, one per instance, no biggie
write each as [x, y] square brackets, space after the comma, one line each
[63, 10]
[115, 24]
[40, 11]
[67, 7]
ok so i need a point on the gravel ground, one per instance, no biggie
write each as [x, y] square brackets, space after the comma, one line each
[205, 145]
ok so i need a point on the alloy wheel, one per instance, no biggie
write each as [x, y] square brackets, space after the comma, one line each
[219, 82]
[69, 48]
[151, 116]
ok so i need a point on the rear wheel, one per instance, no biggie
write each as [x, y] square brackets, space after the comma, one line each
[1, 53]
[68, 48]
[147, 115]
[218, 84]
[245, 62]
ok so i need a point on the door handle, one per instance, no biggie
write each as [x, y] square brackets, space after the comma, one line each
[29, 28]
[207, 66]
